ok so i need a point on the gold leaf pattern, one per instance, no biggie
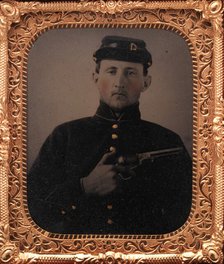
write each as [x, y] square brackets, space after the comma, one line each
[198, 28]
[33, 25]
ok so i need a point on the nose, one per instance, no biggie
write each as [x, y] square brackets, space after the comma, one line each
[119, 80]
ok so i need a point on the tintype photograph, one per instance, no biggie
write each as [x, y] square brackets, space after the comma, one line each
[110, 131]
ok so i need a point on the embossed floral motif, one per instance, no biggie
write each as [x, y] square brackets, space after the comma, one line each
[204, 43]
[20, 37]
[180, 19]
[203, 219]
[108, 17]
[111, 6]
[108, 245]
[16, 131]
[184, 19]
[31, 25]
[205, 131]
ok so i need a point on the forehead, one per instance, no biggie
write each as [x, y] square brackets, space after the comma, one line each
[104, 64]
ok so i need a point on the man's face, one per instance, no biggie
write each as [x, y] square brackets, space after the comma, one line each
[120, 83]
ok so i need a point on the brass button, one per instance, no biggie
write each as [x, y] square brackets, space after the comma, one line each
[112, 149]
[73, 207]
[63, 212]
[114, 136]
[114, 126]
[110, 222]
[109, 206]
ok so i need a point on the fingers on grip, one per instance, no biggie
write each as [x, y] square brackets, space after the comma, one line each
[107, 157]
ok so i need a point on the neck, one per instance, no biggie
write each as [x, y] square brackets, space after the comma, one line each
[118, 112]
[129, 113]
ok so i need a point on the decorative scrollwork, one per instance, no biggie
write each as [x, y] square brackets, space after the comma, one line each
[219, 134]
[9, 10]
[3, 231]
[213, 249]
[186, 22]
[213, 11]
[7, 253]
[199, 34]
[7, 250]
[4, 140]
[8, 13]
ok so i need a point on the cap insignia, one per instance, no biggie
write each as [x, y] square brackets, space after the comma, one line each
[133, 46]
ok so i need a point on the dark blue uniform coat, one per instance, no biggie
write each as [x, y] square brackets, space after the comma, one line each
[157, 200]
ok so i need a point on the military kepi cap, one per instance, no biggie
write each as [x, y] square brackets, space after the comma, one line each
[123, 49]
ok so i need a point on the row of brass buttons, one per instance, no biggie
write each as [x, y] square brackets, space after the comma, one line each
[114, 136]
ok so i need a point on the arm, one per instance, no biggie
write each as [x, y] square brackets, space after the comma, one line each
[52, 184]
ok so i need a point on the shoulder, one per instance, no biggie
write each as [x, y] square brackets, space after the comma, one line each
[77, 124]
[158, 132]
[71, 128]
[146, 125]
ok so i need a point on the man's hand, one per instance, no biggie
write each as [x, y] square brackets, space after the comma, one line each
[104, 177]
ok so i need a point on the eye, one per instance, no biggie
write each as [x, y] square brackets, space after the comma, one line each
[111, 71]
[131, 73]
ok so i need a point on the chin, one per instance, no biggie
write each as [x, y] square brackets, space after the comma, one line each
[118, 107]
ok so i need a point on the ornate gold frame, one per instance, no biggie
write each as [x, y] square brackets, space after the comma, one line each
[201, 238]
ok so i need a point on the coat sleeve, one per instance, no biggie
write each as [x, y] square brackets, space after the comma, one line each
[53, 186]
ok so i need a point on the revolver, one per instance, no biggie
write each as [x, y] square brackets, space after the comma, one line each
[133, 161]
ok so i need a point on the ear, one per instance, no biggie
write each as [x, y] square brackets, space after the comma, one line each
[95, 77]
[147, 82]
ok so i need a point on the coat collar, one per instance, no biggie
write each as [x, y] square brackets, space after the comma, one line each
[130, 113]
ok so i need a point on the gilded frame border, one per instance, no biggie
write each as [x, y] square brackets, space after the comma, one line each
[200, 240]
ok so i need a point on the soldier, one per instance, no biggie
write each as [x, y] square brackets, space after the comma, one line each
[112, 173]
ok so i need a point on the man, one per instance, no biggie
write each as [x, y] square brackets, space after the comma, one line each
[112, 173]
